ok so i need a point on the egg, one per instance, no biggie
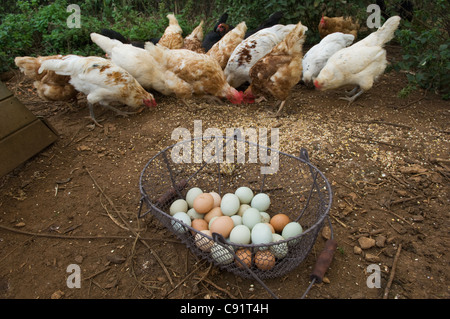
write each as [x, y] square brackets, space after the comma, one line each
[217, 198]
[180, 205]
[230, 204]
[237, 220]
[203, 203]
[292, 229]
[215, 212]
[202, 242]
[222, 225]
[242, 209]
[265, 218]
[280, 250]
[211, 221]
[251, 217]
[278, 222]
[194, 215]
[244, 194]
[192, 194]
[199, 224]
[222, 255]
[261, 202]
[180, 217]
[244, 255]
[271, 227]
[264, 260]
[261, 234]
[240, 234]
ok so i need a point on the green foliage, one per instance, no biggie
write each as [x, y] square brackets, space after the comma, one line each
[426, 52]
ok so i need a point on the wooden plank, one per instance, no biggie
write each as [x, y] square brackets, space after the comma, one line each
[13, 116]
[4, 92]
[20, 146]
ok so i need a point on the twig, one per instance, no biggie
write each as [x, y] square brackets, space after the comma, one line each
[182, 281]
[399, 201]
[209, 282]
[391, 277]
[376, 141]
[97, 273]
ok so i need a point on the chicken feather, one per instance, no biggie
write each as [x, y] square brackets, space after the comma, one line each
[172, 37]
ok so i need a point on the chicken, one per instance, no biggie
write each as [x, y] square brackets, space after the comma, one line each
[338, 24]
[316, 57]
[172, 38]
[359, 64]
[194, 40]
[200, 74]
[279, 70]
[249, 51]
[49, 85]
[219, 30]
[102, 81]
[273, 19]
[221, 51]
[181, 72]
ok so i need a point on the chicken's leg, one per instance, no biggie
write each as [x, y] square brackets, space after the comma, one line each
[352, 92]
[351, 99]
[281, 107]
[119, 112]
[92, 115]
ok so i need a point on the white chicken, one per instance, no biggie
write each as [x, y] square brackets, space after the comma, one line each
[249, 51]
[102, 81]
[316, 57]
[359, 64]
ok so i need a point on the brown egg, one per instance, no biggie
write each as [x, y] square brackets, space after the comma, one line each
[222, 225]
[264, 259]
[217, 199]
[203, 203]
[203, 242]
[199, 224]
[244, 255]
[215, 212]
[278, 222]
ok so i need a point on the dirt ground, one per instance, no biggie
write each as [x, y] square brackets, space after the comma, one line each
[386, 157]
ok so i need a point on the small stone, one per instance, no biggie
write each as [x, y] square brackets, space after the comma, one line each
[372, 258]
[57, 294]
[357, 250]
[417, 218]
[380, 241]
[20, 225]
[366, 242]
[326, 232]
[79, 259]
[326, 280]
[116, 259]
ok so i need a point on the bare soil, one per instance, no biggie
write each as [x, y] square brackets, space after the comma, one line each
[386, 157]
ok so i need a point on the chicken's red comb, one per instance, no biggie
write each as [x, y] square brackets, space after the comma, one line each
[316, 84]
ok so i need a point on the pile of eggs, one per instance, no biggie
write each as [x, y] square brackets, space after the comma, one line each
[241, 218]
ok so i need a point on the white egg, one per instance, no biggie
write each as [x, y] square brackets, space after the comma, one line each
[265, 218]
[237, 220]
[240, 235]
[192, 213]
[261, 202]
[222, 255]
[251, 217]
[245, 194]
[180, 205]
[242, 209]
[230, 204]
[292, 229]
[280, 250]
[191, 194]
[261, 234]
[182, 217]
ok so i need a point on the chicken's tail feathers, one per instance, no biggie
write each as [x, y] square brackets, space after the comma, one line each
[197, 33]
[105, 43]
[60, 66]
[27, 65]
[241, 27]
[297, 36]
[113, 35]
[387, 30]
[172, 19]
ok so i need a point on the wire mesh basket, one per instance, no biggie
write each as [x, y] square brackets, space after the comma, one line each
[296, 188]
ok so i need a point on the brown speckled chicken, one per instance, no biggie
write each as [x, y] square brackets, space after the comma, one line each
[338, 24]
[194, 40]
[172, 38]
[221, 51]
[102, 81]
[49, 85]
[280, 70]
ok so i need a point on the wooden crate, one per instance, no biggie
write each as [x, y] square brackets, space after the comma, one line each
[22, 134]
